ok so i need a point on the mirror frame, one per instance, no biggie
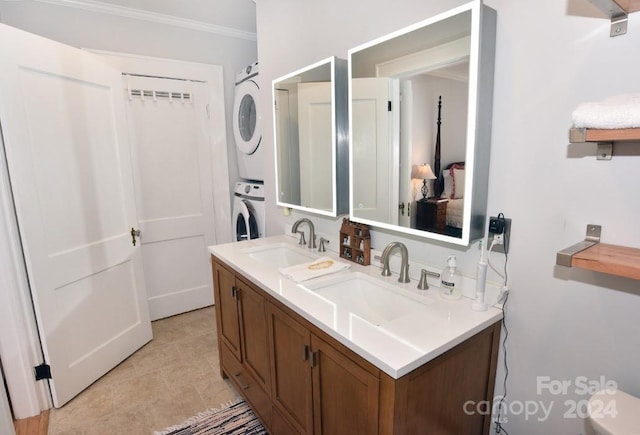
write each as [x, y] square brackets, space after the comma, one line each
[480, 108]
[339, 137]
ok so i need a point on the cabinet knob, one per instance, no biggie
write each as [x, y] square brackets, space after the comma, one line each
[243, 386]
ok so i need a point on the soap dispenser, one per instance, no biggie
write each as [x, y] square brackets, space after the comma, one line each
[450, 280]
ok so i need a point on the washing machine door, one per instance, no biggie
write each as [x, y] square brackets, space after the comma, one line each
[245, 223]
[246, 122]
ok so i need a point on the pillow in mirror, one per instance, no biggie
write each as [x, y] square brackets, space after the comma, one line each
[458, 183]
[448, 185]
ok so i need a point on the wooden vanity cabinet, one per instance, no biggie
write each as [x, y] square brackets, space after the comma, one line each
[316, 388]
[299, 380]
[446, 395]
[227, 313]
[345, 393]
[291, 392]
[242, 335]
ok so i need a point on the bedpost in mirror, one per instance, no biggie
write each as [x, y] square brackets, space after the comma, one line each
[437, 184]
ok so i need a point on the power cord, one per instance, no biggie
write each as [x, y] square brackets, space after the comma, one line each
[503, 297]
[498, 239]
[498, 421]
[495, 242]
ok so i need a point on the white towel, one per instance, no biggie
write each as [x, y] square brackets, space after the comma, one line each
[620, 111]
[321, 266]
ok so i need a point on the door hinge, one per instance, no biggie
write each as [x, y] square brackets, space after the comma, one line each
[43, 371]
[389, 106]
[208, 112]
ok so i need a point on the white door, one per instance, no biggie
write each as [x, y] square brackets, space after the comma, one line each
[407, 208]
[62, 119]
[287, 147]
[376, 148]
[6, 420]
[173, 182]
[316, 145]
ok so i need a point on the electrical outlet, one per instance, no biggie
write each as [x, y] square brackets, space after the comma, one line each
[503, 225]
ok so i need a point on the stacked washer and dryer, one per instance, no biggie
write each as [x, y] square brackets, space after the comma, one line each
[248, 201]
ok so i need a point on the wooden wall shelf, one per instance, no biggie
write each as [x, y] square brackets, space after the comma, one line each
[578, 135]
[601, 257]
[629, 5]
[611, 259]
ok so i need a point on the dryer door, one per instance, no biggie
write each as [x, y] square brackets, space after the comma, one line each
[245, 223]
[246, 122]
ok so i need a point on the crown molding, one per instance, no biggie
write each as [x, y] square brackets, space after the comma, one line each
[138, 14]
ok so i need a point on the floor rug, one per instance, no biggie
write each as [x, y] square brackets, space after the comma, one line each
[234, 419]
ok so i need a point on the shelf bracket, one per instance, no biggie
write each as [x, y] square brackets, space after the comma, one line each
[564, 257]
[614, 9]
[618, 24]
[579, 135]
[605, 151]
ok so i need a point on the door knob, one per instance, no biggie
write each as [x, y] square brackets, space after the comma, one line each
[401, 207]
[134, 233]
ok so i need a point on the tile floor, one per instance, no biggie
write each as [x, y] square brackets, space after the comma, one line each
[173, 377]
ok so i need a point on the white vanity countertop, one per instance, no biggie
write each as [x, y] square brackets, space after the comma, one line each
[396, 347]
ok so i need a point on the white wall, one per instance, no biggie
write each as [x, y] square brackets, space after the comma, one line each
[563, 324]
[86, 29]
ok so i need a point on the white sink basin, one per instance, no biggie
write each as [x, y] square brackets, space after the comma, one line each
[365, 297]
[279, 255]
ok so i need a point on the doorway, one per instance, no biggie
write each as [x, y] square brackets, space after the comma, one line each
[37, 396]
[176, 126]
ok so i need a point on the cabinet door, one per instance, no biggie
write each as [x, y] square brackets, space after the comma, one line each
[290, 370]
[345, 395]
[280, 426]
[253, 327]
[227, 308]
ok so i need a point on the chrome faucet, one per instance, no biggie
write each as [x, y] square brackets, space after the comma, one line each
[404, 266]
[312, 231]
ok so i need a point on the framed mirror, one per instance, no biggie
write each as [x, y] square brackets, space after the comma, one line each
[420, 126]
[311, 141]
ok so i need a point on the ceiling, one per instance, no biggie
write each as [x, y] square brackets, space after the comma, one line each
[234, 14]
